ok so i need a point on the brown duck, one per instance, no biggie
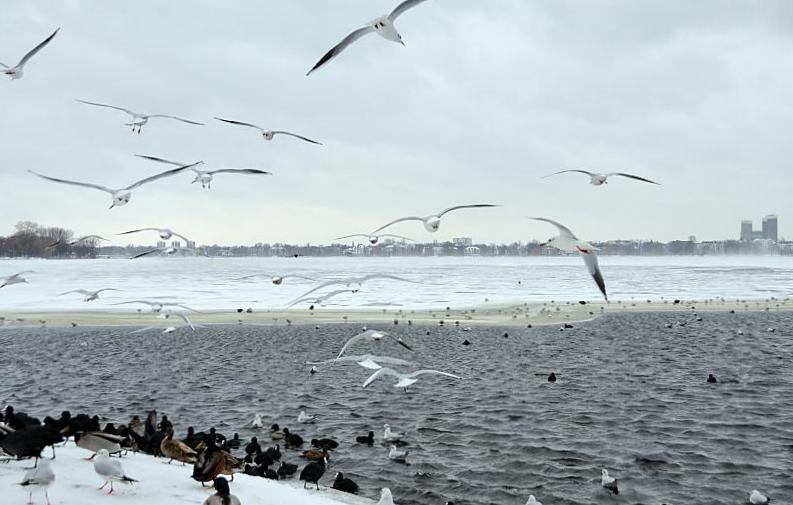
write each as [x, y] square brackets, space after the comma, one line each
[177, 450]
[212, 462]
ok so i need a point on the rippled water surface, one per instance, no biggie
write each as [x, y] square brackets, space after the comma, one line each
[631, 397]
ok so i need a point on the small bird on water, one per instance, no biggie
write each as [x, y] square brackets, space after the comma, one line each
[758, 498]
[552, 377]
[608, 481]
[711, 379]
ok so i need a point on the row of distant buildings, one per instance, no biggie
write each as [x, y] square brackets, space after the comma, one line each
[769, 230]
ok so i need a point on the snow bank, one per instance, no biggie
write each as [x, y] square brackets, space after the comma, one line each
[76, 484]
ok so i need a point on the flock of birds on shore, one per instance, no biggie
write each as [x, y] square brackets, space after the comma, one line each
[22, 436]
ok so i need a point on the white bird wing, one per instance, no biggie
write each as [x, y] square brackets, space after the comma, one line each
[473, 206]
[400, 220]
[387, 360]
[176, 118]
[317, 288]
[139, 230]
[379, 373]
[241, 123]
[89, 237]
[187, 321]
[369, 364]
[297, 277]
[110, 468]
[281, 132]
[591, 262]
[356, 338]
[631, 176]
[341, 46]
[401, 8]
[248, 171]
[351, 236]
[395, 236]
[133, 114]
[106, 289]
[568, 171]
[145, 302]
[399, 341]
[361, 280]
[146, 253]
[74, 183]
[180, 236]
[415, 374]
[160, 160]
[564, 230]
[328, 296]
[36, 49]
[40, 475]
[182, 306]
[81, 291]
[161, 175]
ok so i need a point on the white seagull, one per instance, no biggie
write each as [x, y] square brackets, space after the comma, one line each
[304, 418]
[164, 233]
[348, 281]
[138, 119]
[89, 295]
[321, 300]
[568, 242]
[205, 176]
[391, 436]
[385, 497]
[372, 336]
[277, 279]
[374, 239]
[433, 222]
[257, 421]
[78, 241]
[396, 454]
[268, 134]
[158, 307]
[15, 279]
[16, 71]
[167, 251]
[758, 498]
[596, 179]
[110, 470]
[608, 481]
[532, 500]
[38, 479]
[383, 26]
[405, 380]
[120, 196]
[369, 361]
[171, 329]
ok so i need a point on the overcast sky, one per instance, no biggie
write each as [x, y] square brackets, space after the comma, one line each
[484, 99]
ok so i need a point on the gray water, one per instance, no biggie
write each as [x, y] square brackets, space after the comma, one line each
[631, 397]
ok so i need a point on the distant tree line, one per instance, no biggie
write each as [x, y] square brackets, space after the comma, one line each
[34, 241]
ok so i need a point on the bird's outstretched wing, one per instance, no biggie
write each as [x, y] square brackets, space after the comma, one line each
[246, 171]
[379, 373]
[176, 118]
[133, 114]
[400, 220]
[636, 177]
[432, 372]
[341, 46]
[399, 341]
[139, 230]
[568, 171]
[161, 175]
[401, 8]
[74, 183]
[355, 339]
[369, 277]
[591, 262]
[564, 230]
[161, 160]
[146, 253]
[36, 49]
[474, 206]
[81, 291]
[351, 236]
[240, 123]
[281, 132]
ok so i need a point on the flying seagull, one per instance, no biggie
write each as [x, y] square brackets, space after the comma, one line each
[404, 380]
[77, 241]
[353, 280]
[600, 179]
[157, 307]
[383, 26]
[89, 295]
[369, 361]
[277, 279]
[568, 242]
[268, 134]
[164, 233]
[16, 72]
[372, 336]
[205, 176]
[120, 196]
[171, 329]
[374, 239]
[320, 300]
[433, 222]
[168, 251]
[139, 119]
[15, 279]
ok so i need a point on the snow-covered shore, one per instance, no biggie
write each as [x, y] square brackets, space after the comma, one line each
[76, 484]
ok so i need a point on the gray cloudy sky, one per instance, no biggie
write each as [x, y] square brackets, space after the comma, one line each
[486, 97]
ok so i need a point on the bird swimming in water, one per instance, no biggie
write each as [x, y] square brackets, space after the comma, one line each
[758, 498]
[368, 439]
[552, 377]
[711, 379]
[608, 481]
[344, 484]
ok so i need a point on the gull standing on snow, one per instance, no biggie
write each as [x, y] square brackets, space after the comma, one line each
[15, 279]
[77, 241]
[16, 72]
[608, 481]
[39, 478]
[383, 26]
[205, 176]
[120, 196]
[269, 134]
[374, 239]
[110, 470]
[433, 222]
[369, 361]
[372, 336]
[568, 242]
[596, 179]
[385, 497]
[405, 380]
[89, 295]
[348, 281]
[138, 119]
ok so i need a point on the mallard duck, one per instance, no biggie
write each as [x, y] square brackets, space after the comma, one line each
[176, 450]
[276, 433]
[94, 441]
[316, 454]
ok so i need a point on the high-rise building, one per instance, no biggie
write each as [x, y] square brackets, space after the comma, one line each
[770, 228]
[161, 244]
[463, 241]
[746, 231]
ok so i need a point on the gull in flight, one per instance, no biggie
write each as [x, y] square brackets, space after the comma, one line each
[383, 26]
[138, 119]
[171, 329]
[277, 279]
[320, 300]
[164, 233]
[374, 239]
[120, 196]
[568, 242]
[205, 176]
[167, 251]
[16, 71]
[157, 307]
[372, 336]
[354, 280]
[596, 179]
[39, 478]
[110, 470]
[433, 222]
[404, 380]
[369, 361]
[15, 279]
[78, 241]
[268, 134]
[89, 295]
